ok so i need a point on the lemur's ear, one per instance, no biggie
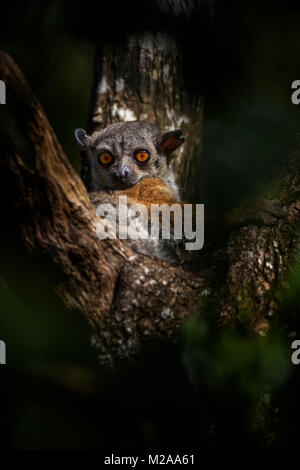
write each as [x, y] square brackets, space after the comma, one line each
[170, 142]
[83, 139]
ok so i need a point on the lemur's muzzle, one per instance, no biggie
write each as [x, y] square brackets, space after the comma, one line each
[125, 177]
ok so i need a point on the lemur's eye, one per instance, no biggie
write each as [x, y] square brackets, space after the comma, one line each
[142, 156]
[105, 158]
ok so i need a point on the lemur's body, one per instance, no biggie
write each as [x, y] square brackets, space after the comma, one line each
[133, 159]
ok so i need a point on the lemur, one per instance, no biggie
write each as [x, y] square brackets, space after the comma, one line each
[133, 159]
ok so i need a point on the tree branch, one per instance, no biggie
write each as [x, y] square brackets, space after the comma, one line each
[260, 257]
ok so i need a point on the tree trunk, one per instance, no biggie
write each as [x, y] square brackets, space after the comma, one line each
[142, 80]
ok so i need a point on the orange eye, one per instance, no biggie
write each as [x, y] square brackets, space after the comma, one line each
[105, 158]
[142, 156]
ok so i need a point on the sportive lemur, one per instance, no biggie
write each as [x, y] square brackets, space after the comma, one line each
[133, 159]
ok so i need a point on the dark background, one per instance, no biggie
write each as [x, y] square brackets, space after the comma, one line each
[205, 390]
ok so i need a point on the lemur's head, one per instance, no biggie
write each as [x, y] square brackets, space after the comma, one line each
[122, 154]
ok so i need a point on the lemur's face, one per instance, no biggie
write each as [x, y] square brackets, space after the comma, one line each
[123, 154]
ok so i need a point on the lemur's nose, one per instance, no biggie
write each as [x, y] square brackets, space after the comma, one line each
[122, 173]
